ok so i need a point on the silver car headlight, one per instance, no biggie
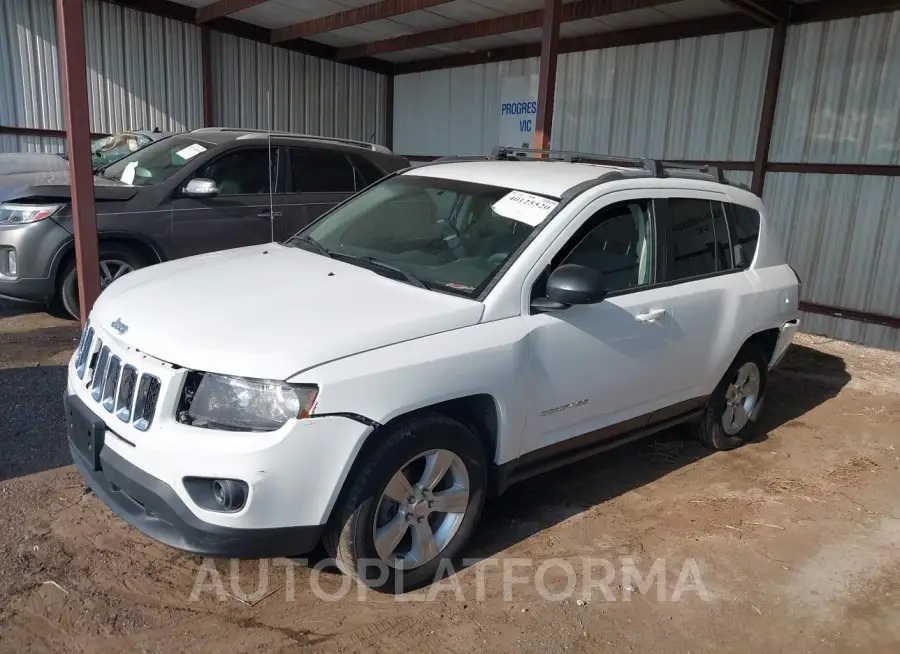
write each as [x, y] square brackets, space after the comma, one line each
[21, 214]
[237, 404]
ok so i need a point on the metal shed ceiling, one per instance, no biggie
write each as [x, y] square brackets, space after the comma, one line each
[611, 16]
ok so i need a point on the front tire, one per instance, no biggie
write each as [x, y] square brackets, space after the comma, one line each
[115, 261]
[734, 407]
[413, 504]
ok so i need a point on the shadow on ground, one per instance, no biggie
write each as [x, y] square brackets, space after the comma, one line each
[32, 423]
[805, 379]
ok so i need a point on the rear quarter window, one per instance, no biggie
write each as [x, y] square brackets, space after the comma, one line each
[744, 233]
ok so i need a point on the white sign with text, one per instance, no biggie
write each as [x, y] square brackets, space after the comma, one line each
[518, 110]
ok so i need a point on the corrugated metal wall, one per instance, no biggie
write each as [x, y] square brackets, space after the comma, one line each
[690, 99]
[259, 86]
[840, 93]
[145, 71]
[842, 235]
[840, 103]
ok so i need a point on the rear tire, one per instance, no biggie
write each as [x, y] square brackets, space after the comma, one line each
[115, 261]
[397, 546]
[730, 417]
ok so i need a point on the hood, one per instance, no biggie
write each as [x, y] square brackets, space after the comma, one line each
[55, 184]
[270, 311]
[30, 162]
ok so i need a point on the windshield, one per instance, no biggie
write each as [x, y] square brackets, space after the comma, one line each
[112, 148]
[450, 235]
[156, 162]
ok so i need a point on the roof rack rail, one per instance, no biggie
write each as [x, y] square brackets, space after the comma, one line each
[656, 167]
[516, 154]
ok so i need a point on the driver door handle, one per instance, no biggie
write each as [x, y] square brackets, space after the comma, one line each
[651, 316]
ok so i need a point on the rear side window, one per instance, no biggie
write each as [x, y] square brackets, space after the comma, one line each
[321, 171]
[745, 234]
[700, 243]
[367, 171]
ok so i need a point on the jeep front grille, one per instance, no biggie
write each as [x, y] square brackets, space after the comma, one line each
[116, 386]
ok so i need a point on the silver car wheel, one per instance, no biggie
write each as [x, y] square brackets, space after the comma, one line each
[421, 509]
[741, 398]
[111, 270]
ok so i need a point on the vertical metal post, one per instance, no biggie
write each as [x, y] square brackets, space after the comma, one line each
[547, 78]
[206, 65]
[389, 114]
[770, 103]
[73, 64]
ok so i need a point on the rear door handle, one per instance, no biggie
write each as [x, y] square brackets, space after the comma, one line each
[651, 316]
[266, 214]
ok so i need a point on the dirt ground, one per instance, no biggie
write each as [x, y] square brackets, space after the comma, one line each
[790, 544]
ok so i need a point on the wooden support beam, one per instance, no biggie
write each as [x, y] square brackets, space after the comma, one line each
[547, 76]
[350, 17]
[770, 102]
[494, 26]
[73, 64]
[222, 8]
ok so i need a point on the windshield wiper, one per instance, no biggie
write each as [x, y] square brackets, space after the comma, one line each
[321, 249]
[408, 276]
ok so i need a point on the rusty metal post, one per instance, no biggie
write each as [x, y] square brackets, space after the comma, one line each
[770, 102]
[206, 66]
[73, 69]
[547, 78]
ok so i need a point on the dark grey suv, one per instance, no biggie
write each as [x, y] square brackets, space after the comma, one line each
[187, 194]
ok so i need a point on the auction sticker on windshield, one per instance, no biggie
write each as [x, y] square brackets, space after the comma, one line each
[524, 207]
[190, 151]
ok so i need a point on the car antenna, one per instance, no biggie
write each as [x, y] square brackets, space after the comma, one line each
[269, 141]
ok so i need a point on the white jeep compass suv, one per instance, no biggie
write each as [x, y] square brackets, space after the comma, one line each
[448, 331]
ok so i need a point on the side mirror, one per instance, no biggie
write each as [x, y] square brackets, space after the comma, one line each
[572, 284]
[201, 188]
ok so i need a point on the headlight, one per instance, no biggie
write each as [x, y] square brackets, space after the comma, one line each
[19, 214]
[236, 404]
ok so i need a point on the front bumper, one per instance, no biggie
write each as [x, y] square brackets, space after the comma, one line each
[155, 509]
[38, 249]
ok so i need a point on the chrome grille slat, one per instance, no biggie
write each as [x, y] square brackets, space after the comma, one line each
[100, 373]
[92, 355]
[111, 383]
[84, 348]
[118, 386]
[125, 401]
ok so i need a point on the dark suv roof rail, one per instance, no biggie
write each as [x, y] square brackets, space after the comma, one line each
[308, 137]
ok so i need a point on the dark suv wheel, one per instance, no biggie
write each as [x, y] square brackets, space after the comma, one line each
[115, 261]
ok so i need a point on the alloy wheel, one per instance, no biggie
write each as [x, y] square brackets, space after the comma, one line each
[741, 398]
[421, 509]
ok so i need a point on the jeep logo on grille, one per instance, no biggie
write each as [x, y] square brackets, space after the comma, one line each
[119, 326]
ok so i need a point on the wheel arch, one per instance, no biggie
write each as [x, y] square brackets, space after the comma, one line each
[144, 245]
[478, 412]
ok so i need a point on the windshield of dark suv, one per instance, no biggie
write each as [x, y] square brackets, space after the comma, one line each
[156, 162]
[443, 234]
